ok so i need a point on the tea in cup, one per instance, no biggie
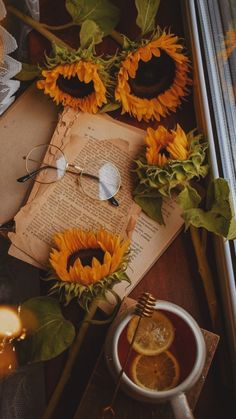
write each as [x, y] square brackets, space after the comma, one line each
[167, 356]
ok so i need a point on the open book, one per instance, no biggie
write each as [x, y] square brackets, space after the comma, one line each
[55, 207]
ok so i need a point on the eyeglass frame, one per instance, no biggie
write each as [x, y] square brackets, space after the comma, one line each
[30, 175]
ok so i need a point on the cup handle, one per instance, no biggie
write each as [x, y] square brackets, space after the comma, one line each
[181, 407]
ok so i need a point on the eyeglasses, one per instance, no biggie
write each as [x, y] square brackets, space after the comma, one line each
[99, 179]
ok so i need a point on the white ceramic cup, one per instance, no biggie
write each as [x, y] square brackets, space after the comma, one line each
[195, 344]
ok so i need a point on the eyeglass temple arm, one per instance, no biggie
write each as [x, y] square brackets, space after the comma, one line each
[31, 174]
[35, 172]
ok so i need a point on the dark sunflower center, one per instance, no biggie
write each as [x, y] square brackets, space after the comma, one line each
[153, 77]
[85, 256]
[74, 87]
[164, 152]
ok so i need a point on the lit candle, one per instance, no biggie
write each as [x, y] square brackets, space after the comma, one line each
[10, 329]
[10, 324]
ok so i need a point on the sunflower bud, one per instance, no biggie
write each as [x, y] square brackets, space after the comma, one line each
[171, 159]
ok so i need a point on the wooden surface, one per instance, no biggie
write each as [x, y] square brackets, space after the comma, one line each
[174, 277]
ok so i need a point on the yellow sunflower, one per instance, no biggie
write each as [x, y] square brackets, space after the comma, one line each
[76, 84]
[87, 257]
[87, 261]
[153, 79]
[164, 145]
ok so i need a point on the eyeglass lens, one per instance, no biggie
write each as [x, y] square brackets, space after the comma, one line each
[53, 167]
[100, 180]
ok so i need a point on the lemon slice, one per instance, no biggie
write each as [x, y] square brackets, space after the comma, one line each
[158, 372]
[154, 335]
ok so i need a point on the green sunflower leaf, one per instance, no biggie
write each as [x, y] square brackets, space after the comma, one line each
[219, 216]
[28, 72]
[232, 230]
[90, 34]
[218, 198]
[147, 10]
[51, 335]
[188, 198]
[105, 14]
[151, 206]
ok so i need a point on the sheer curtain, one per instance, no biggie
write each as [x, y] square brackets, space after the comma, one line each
[9, 67]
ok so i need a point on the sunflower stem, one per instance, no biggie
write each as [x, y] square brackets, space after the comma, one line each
[74, 351]
[206, 275]
[117, 37]
[60, 27]
[38, 27]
